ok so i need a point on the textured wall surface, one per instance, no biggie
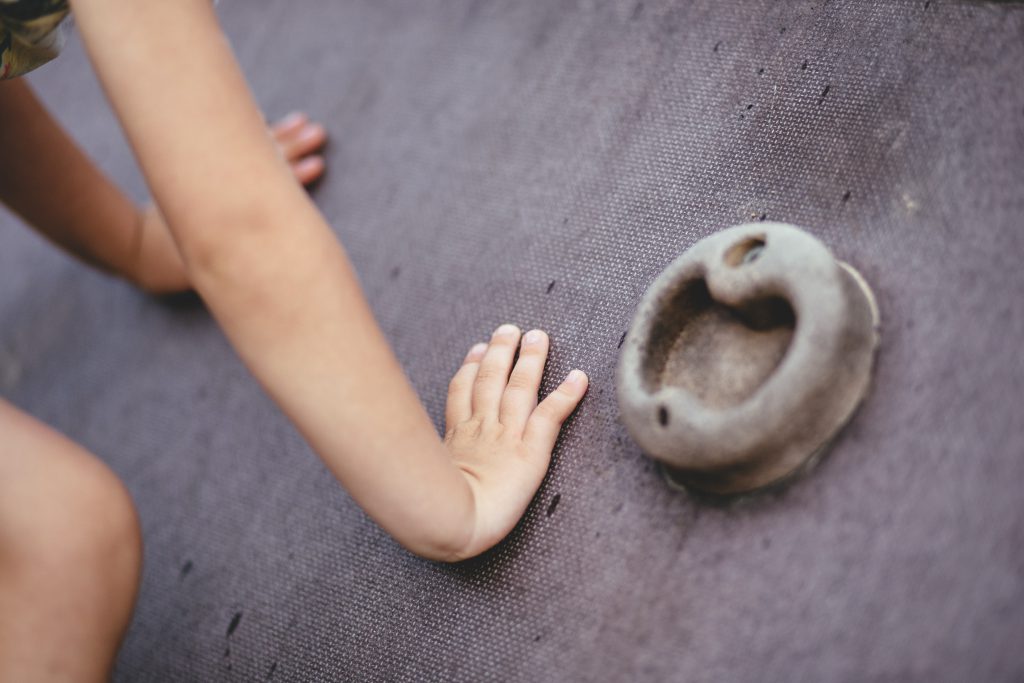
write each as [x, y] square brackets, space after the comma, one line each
[540, 162]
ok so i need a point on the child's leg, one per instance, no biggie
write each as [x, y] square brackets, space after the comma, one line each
[70, 555]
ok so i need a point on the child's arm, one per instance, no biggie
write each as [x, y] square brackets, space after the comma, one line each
[282, 288]
[61, 193]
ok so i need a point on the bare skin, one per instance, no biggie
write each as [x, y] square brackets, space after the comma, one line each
[58, 191]
[70, 549]
[70, 555]
[280, 285]
[158, 268]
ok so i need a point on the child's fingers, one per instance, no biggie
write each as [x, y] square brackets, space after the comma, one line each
[520, 397]
[309, 169]
[302, 142]
[460, 390]
[289, 124]
[494, 369]
[544, 424]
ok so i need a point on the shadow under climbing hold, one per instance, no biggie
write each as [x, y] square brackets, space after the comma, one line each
[745, 357]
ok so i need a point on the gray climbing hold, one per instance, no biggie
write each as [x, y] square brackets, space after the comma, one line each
[745, 357]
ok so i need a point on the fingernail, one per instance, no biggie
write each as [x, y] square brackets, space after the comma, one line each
[292, 118]
[313, 130]
[309, 163]
[477, 350]
[533, 337]
[506, 329]
[576, 377]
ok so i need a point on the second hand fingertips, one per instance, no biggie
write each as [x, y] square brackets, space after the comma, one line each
[292, 121]
[310, 166]
[312, 132]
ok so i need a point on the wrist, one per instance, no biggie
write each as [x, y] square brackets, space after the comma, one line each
[447, 532]
[127, 264]
[149, 258]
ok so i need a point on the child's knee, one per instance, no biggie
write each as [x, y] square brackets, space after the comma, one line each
[70, 557]
[98, 524]
[69, 518]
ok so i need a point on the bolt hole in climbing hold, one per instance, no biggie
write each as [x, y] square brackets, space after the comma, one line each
[745, 251]
[663, 416]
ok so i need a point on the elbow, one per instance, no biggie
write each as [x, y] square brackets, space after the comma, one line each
[217, 250]
[229, 249]
[237, 237]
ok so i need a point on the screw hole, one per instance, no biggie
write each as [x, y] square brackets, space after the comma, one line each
[663, 416]
[747, 251]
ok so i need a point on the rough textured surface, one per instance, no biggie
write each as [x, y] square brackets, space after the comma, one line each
[485, 150]
[745, 356]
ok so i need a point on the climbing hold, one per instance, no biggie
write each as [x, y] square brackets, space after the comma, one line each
[745, 357]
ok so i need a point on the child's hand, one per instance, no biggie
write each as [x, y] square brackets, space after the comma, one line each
[299, 140]
[498, 435]
[158, 268]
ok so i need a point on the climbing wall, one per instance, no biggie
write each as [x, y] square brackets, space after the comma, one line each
[539, 163]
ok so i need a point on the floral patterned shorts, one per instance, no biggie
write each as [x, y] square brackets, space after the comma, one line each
[29, 34]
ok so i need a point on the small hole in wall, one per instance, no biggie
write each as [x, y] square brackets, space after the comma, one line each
[663, 416]
[744, 252]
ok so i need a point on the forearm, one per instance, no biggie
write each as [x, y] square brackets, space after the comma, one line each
[303, 327]
[269, 267]
[57, 190]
